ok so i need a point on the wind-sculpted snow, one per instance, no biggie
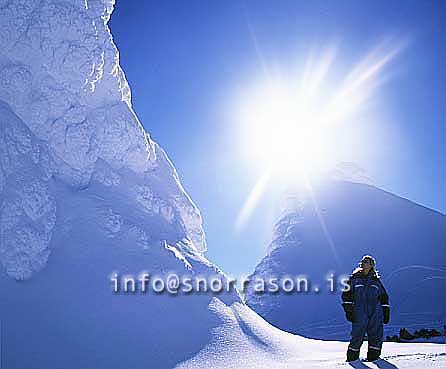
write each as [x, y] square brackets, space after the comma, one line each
[66, 116]
[28, 210]
[86, 193]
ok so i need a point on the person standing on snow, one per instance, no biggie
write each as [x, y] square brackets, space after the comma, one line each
[366, 305]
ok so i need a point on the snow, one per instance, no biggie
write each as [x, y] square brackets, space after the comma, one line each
[328, 231]
[28, 211]
[243, 340]
[351, 172]
[84, 193]
[69, 307]
[66, 115]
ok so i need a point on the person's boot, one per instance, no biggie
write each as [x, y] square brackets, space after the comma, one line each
[373, 354]
[352, 355]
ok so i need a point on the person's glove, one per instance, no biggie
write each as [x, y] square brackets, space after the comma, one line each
[386, 314]
[349, 313]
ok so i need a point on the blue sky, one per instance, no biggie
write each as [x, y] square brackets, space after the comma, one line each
[186, 61]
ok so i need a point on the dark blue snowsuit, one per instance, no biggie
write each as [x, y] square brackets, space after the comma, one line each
[367, 306]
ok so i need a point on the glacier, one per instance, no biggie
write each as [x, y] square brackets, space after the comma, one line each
[86, 192]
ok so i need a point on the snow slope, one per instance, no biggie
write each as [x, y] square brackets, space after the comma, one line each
[243, 340]
[328, 231]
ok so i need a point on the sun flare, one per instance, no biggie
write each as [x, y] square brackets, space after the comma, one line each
[287, 122]
[284, 134]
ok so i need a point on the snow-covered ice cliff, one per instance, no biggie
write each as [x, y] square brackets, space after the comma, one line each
[67, 117]
[85, 192]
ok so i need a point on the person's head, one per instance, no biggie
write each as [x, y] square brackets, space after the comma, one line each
[367, 263]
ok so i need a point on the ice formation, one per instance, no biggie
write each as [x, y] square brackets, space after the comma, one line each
[66, 116]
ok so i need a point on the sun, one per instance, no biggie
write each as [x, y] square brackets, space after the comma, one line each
[286, 121]
[283, 132]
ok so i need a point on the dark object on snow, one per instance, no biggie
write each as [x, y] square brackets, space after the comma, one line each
[366, 302]
[422, 333]
[406, 335]
[426, 333]
[393, 338]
